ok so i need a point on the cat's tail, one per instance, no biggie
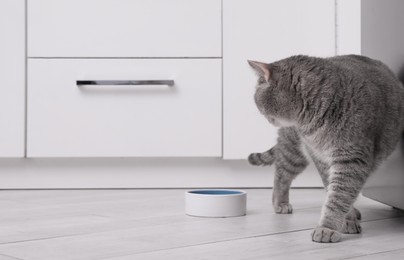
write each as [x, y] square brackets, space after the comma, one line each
[263, 159]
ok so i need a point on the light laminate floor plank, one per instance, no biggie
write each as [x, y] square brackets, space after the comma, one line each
[102, 224]
[85, 212]
[382, 238]
[389, 255]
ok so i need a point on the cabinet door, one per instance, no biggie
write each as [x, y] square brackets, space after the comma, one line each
[12, 77]
[265, 30]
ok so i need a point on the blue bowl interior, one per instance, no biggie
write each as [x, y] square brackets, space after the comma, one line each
[216, 192]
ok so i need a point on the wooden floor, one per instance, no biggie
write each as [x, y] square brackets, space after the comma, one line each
[151, 224]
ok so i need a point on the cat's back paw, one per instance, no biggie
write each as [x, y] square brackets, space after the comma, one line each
[325, 235]
[283, 208]
[358, 214]
[351, 227]
[354, 214]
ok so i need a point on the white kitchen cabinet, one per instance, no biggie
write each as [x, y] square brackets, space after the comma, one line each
[182, 118]
[188, 41]
[12, 78]
[124, 28]
[265, 30]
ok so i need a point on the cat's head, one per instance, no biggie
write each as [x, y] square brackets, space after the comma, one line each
[275, 96]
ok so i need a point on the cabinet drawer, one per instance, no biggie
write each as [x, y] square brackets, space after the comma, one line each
[66, 119]
[124, 28]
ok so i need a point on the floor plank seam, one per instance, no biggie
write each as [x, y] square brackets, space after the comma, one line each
[377, 253]
[41, 239]
[207, 243]
[235, 239]
[99, 232]
[378, 219]
[16, 258]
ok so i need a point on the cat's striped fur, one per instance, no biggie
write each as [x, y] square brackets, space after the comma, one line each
[345, 112]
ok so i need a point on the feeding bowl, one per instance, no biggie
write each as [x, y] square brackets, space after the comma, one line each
[215, 203]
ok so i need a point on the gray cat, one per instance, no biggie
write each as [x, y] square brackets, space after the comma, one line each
[345, 112]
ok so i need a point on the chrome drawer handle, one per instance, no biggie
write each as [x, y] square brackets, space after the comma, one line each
[169, 83]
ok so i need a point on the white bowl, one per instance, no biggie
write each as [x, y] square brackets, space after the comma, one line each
[215, 203]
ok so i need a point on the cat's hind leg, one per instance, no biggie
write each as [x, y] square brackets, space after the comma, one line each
[290, 161]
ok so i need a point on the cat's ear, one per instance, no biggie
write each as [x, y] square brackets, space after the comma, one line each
[262, 69]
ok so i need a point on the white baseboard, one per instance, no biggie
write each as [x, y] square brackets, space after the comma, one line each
[140, 173]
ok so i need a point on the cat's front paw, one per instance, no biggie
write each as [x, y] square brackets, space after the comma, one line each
[255, 159]
[283, 208]
[325, 235]
[351, 227]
